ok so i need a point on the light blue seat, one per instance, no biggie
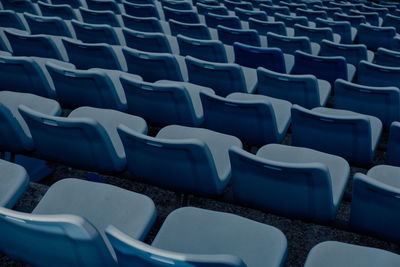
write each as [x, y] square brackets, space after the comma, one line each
[325, 68]
[267, 117]
[377, 75]
[192, 30]
[381, 102]
[245, 14]
[370, 17]
[374, 37]
[203, 9]
[290, 45]
[92, 33]
[67, 229]
[343, 28]
[219, 242]
[86, 139]
[10, 19]
[209, 50]
[188, 160]
[103, 5]
[290, 21]
[393, 147]
[214, 20]
[14, 180]
[63, 11]
[186, 16]
[348, 134]
[141, 10]
[375, 202]
[147, 41]
[47, 25]
[311, 15]
[231, 5]
[263, 27]
[14, 133]
[99, 17]
[152, 66]
[73, 3]
[164, 102]
[142, 24]
[353, 53]
[223, 78]
[355, 20]
[177, 5]
[333, 254]
[316, 34]
[392, 21]
[271, 10]
[291, 181]
[387, 57]
[20, 6]
[305, 90]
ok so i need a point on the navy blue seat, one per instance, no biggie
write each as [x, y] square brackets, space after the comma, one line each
[386, 57]
[47, 25]
[392, 21]
[316, 35]
[229, 36]
[176, 5]
[73, 3]
[377, 75]
[186, 16]
[147, 41]
[393, 148]
[142, 24]
[138, 10]
[245, 14]
[62, 11]
[214, 20]
[343, 28]
[99, 17]
[355, 20]
[263, 27]
[290, 45]
[10, 19]
[370, 17]
[311, 15]
[14, 180]
[203, 9]
[345, 7]
[231, 5]
[330, 11]
[353, 53]
[290, 21]
[94, 33]
[192, 30]
[293, 6]
[382, 11]
[20, 6]
[374, 37]
[271, 10]
[103, 5]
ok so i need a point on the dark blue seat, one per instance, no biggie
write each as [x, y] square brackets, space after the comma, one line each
[92, 33]
[186, 16]
[245, 14]
[355, 20]
[330, 11]
[353, 53]
[386, 57]
[374, 37]
[73, 3]
[177, 5]
[203, 9]
[230, 35]
[290, 21]
[103, 5]
[47, 25]
[62, 11]
[263, 27]
[142, 24]
[393, 147]
[315, 34]
[382, 11]
[141, 10]
[214, 20]
[289, 45]
[371, 17]
[192, 30]
[377, 75]
[392, 21]
[147, 41]
[271, 10]
[293, 6]
[20, 6]
[311, 15]
[231, 5]
[343, 28]
[99, 17]
[10, 19]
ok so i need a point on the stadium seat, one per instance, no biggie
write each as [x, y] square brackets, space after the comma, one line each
[192, 30]
[370, 17]
[293, 7]
[272, 10]
[20, 6]
[263, 27]
[214, 20]
[355, 20]
[185, 16]
[245, 14]
[103, 5]
[99, 17]
[203, 9]
[381, 11]
[393, 147]
[47, 25]
[290, 21]
[142, 24]
[353, 53]
[95, 33]
[330, 11]
[73, 3]
[177, 5]
[386, 57]
[311, 15]
[10, 19]
[374, 37]
[289, 45]
[230, 35]
[392, 21]
[345, 7]
[147, 41]
[377, 75]
[62, 11]
[14, 180]
[343, 28]
[231, 5]
[137, 10]
[316, 35]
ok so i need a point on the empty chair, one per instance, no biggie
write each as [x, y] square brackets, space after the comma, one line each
[263, 27]
[292, 181]
[164, 102]
[92, 33]
[386, 57]
[231, 5]
[152, 66]
[142, 24]
[330, 11]
[381, 102]
[146, 10]
[377, 75]
[203, 9]
[14, 180]
[186, 16]
[188, 160]
[316, 35]
[380, 10]
[214, 20]
[290, 21]
[224, 78]
[62, 11]
[311, 15]
[99, 17]
[374, 199]
[229, 36]
[325, 68]
[67, 229]
[147, 41]
[209, 50]
[177, 5]
[86, 139]
[305, 90]
[245, 14]
[293, 6]
[353, 53]
[392, 21]
[343, 28]
[333, 253]
[393, 147]
[355, 20]
[192, 30]
[219, 237]
[73, 3]
[20, 6]
[271, 10]
[102, 5]
[290, 45]
[348, 134]
[267, 117]
[10, 19]
[370, 17]
[86, 56]
[47, 25]
[374, 37]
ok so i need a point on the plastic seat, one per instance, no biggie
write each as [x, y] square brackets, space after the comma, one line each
[290, 21]
[343, 28]
[147, 41]
[377, 75]
[102, 5]
[14, 133]
[353, 53]
[47, 25]
[311, 15]
[345, 7]
[164, 102]
[145, 10]
[304, 90]
[381, 11]
[92, 33]
[381, 102]
[73, 3]
[245, 14]
[142, 24]
[177, 5]
[290, 45]
[66, 228]
[370, 17]
[230, 35]
[269, 58]
[203, 9]
[374, 37]
[392, 21]
[316, 35]
[86, 56]
[20, 6]
[152, 66]
[325, 68]
[348, 134]
[291, 181]
[219, 242]
[333, 253]
[214, 20]
[62, 11]
[330, 11]
[393, 147]
[231, 5]
[14, 180]
[293, 7]
[267, 117]
[186, 16]
[386, 57]
[99, 17]
[87, 139]
[192, 30]
[223, 78]
[374, 199]
[272, 10]
[355, 20]
[209, 50]
[10, 19]
[263, 27]
[189, 160]
[140, 1]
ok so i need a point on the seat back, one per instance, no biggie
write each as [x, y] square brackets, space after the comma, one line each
[293, 6]
[245, 14]
[355, 20]
[19, 6]
[290, 21]
[209, 50]
[229, 36]
[99, 17]
[10, 19]
[92, 33]
[377, 75]
[353, 53]
[203, 9]
[311, 15]
[147, 41]
[371, 17]
[263, 27]
[177, 5]
[47, 25]
[374, 37]
[380, 10]
[316, 35]
[193, 30]
[102, 5]
[73, 3]
[392, 21]
[231, 5]
[343, 28]
[186, 16]
[142, 24]
[289, 45]
[386, 57]
[330, 11]
[62, 11]
[214, 20]
[273, 9]
[141, 10]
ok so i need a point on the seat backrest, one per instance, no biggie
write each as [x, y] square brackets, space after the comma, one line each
[47, 25]
[102, 5]
[73, 3]
[193, 30]
[214, 20]
[355, 20]
[374, 37]
[392, 21]
[263, 27]
[19, 6]
[353, 53]
[177, 5]
[209, 50]
[10, 19]
[311, 15]
[99, 17]
[142, 24]
[86, 56]
[346, 7]
[293, 189]
[141, 10]
[330, 11]
[380, 10]
[186, 16]
[229, 36]
[134, 252]
[92, 33]
[272, 10]
[293, 6]
[387, 57]
[245, 14]
[152, 66]
[289, 45]
[290, 21]
[62, 11]
[45, 240]
[371, 17]
[203, 9]
[343, 28]
[147, 41]
[297, 89]
[224, 78]
[316, 35]
[377, 75]
[184, 165]
[231, 5]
